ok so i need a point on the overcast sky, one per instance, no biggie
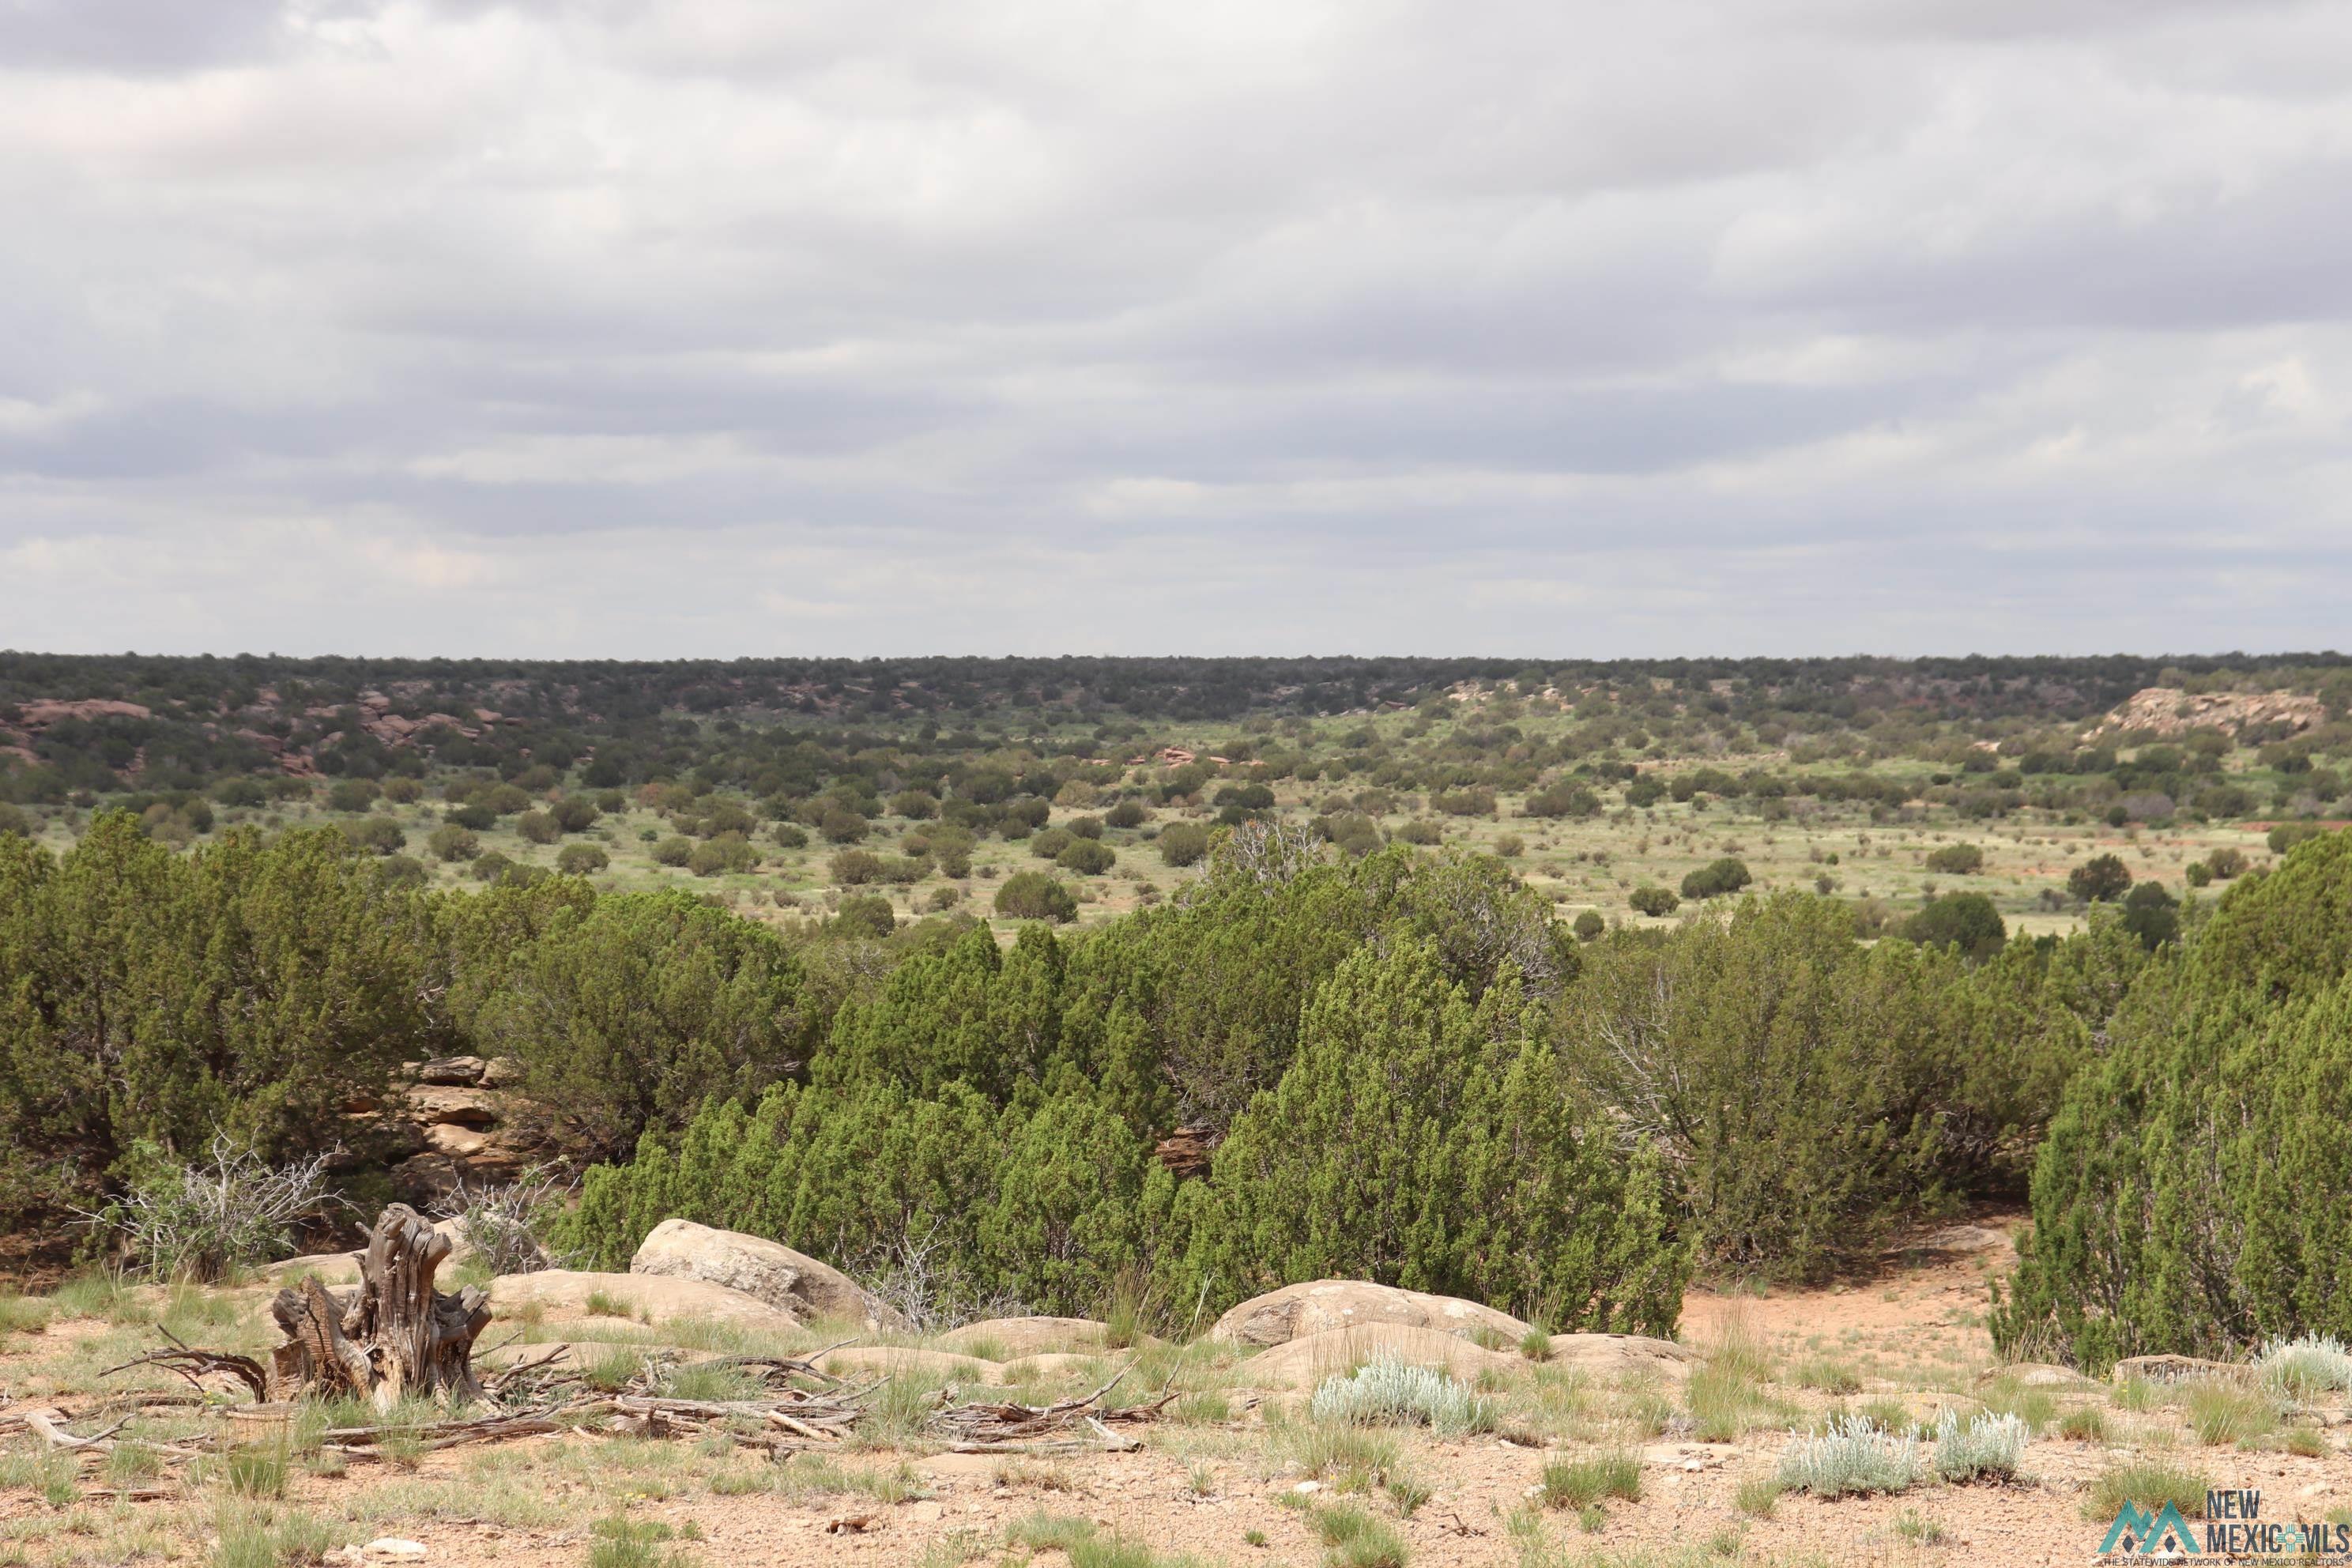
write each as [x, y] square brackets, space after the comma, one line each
[715, 327]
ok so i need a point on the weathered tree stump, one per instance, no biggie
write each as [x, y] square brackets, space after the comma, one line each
[394, 1335]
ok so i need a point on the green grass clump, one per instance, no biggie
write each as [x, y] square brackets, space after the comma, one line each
[605, 1304]
[620, 1541]
[1203, 1407]
[1536, 1345]
[1354, 1539]
[258, 1471]
[250, 1537]
[2150, 1483]
[1353, 1459]
[2221, 1412]
[1579, 1483]
[1829, 1377]
[614, 1369]
[1758, 1496]
[1043, 1531]
[24, 1314]
[2084, 1423]
[2037, 1407]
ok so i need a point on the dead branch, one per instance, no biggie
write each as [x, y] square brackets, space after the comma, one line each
[1070, 1425]
[192, 1363]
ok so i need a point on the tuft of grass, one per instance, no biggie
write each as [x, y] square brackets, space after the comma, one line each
[1353, 1459]
[1916, 1527]
[1984, 1445]
[98, 1294]
[1852, 1456]
[1579, 1483]
[1536, 1345]
[1354, 1539]
[1758, 1496]
[2150, 1483]
[1202, 1479]
[1726, 1396]
[901, 1408]
[704, 1381]
[2221, 1412]
[2084, 1423]
[2037, 1407]
[623, 1543]
[2305, 1442]
[605, 1304]
[1385, 1391]
[246, 1536]
[613, 1369]
[258, 1471]
[2134, 1393]
[1043, 1531]
[1203, 1407]
[132, 1464]
[24, 1314]
[1888, 1411]
[1127, 1317]
[1253, 1537]
[1829, 1377]
[1407, 1494]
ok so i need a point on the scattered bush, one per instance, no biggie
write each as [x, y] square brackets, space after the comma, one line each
[855, 867]
[1852, 1456]
[452, 844]
[2308, 1364]
[1184, 843]
[376, 835]
[1956, 860]
[2148, 1484]
[1579, 1483]
[200, 1222]
[1386, 1392]
[1035, 896]
[1655, 903]
[581, 859]
[1985, 1444]
[1086, 858]
[1717, 879]
[2100, 879]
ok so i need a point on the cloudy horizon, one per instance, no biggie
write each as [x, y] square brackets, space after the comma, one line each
[610, 328]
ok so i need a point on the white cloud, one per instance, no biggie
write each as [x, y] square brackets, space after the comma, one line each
[624, 327]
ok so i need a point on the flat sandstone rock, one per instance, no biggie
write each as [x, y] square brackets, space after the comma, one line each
[565, 1293]
[1296, 1311]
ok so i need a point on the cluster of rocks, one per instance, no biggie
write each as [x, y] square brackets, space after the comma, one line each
[456, 1121]
[1294, 1337]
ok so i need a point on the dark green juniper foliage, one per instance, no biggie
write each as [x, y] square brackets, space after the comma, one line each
[2184, 1198]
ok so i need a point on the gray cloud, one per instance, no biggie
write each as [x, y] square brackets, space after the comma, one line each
[715, 327]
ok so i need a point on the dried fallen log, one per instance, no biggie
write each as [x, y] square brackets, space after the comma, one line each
[396, 1334]
[1070, 1425]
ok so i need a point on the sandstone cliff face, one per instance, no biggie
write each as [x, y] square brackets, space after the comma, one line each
[2167, 710]
[458, 1119]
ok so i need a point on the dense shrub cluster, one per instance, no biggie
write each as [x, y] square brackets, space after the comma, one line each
[2184, 1200]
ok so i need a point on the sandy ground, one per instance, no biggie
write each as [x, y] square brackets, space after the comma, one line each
[1217, 1490]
